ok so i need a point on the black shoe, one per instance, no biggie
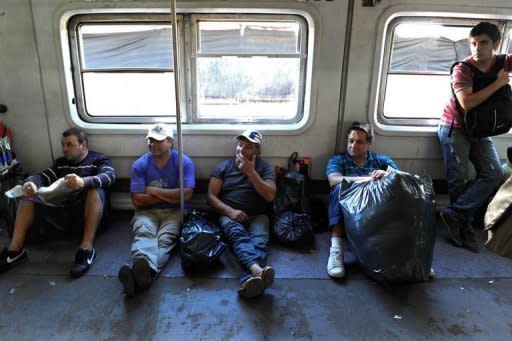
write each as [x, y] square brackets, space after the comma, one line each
[453, 225]
[253, 287]
[125, 276]
[470, 240]
[83, 261]
[8, 259]
[142, 273]
[267, 275]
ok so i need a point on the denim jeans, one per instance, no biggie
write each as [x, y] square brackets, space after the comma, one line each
[458, 149]
[335, 211]
[249, 244]
[156, 232]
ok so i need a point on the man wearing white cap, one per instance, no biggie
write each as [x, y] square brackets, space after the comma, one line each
[154, 188]
[240, 190]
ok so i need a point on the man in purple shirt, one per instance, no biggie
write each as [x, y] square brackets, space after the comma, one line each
[155, 193]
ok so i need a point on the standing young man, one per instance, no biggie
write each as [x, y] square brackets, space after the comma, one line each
[458, 149]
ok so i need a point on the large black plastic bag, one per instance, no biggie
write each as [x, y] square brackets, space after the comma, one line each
[293, 228]
[390, 225]
[200, 243]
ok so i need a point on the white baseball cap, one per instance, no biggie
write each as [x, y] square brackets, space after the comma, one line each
[159, 132]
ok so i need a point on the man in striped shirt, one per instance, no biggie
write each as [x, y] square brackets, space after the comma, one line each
[84, 176]
[357, 163]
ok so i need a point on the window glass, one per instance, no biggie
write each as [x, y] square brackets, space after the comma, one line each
[127, 70]
[417, 83]
[234, 68]
[249, 71]
[126, 46]
[248, 37]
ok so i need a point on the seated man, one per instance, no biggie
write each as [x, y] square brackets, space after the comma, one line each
[240, 190]
[88, 173]
[357, 163]
[155, 193]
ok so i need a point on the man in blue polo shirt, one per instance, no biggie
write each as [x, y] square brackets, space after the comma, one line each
[154, 188]
[357, 163]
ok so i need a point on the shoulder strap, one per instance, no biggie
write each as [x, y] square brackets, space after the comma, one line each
[500, 62]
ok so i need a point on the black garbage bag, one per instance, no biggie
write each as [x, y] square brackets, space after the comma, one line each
[390, 225]
[293, 228]
[200, 243]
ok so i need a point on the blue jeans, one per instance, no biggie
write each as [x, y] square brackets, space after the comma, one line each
[250, 245]
[335, 211]
[458, 149]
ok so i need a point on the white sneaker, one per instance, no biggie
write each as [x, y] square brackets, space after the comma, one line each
[335, 267]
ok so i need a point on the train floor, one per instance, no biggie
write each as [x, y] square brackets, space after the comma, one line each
[470, 297]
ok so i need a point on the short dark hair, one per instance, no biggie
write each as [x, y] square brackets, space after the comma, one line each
[81, 136]
[364, 127]
[488, 28]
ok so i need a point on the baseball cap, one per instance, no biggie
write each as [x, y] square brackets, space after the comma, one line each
[159, 132]
[251, 135]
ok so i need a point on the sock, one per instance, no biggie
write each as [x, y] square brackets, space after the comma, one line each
[336, 243]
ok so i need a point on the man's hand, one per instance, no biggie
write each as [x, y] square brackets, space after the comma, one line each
[238, 215]
[378, 174]
[74, 181]
[245, 165]
[502, 78]
[30, 189]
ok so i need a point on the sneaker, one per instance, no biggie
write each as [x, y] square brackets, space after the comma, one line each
[470, 240]
[453, 225]
[142, 273]
[83, 261]
[267, 275]
[8, 259]
[432, 273]
[335, 266]
[252, 287]
[125, 276]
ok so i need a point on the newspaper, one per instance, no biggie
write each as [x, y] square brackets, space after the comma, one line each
[57, 194]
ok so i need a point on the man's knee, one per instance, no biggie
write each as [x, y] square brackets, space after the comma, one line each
[231, 228]
[95, 197]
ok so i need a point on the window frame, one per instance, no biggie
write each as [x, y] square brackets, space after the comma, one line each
[76, 21]
[385, 61]
[303, 56]
[187, 38]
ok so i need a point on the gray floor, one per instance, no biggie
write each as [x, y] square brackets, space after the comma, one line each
[471, 297]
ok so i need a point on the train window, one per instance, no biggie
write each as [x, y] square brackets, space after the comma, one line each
[249, 70]
[417, 82]
[243, 68]
[123, 70]
[420, 51]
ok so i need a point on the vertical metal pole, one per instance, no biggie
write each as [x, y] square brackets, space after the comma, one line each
[174, 28]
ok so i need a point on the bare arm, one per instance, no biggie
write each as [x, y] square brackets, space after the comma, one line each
[169, 195]
[336, 178]
[214, 188]
[469, 99]
[140, 200]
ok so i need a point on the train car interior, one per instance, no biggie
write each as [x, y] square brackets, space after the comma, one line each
[300, 72]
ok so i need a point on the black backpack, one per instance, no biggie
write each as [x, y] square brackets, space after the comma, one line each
[494, 115]
[292, 225]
